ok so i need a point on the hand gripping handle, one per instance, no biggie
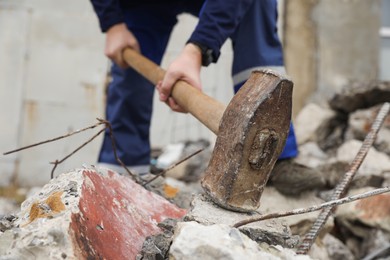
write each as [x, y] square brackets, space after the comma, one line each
[206, 109]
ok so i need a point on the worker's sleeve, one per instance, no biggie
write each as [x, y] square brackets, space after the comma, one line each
[218, 20]
[108, 12]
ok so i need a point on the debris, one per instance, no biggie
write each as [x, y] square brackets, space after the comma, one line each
[292, 178]
[336, 249]
[331, 203]
[273, 232]
[343, 186]
[79, 213]
[373, 211]
[359, 123]
[193, 241]
[315, 123]
[358, 95]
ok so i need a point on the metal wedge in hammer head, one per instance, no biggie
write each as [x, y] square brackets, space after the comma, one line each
[251, 136]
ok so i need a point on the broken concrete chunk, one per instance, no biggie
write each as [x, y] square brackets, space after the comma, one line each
[274, 232]
[372, 212]
[375, 163]
[193, 241]
[336, 249]
[361, 95]
[311, 155]
[273, 201]
[292, 179]
[376, 244]
[87, 213]
[359, 125]
[317, 124]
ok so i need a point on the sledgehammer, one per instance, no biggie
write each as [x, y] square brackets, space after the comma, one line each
[251, 131]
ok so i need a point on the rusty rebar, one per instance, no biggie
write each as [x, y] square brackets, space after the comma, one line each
[172, 166]
[343, 186]
[107, 125]
[54, 139]
[113, 144]
[56, 162]
[331, 203]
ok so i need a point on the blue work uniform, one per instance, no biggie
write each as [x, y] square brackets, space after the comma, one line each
[250, 24]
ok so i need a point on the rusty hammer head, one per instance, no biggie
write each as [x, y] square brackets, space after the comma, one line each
[251, 136]
[252, 131]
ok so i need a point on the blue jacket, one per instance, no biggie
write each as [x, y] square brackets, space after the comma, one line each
[218, 19]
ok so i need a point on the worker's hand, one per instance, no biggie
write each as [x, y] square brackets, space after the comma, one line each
[118, 37]
[185, 67]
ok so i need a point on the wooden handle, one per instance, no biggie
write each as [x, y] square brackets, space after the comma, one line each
[206, 109]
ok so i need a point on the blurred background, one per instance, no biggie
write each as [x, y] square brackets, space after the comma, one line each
[53, 74]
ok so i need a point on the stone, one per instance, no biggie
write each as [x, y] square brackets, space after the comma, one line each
[336, 249]
[333, 171]
[157, 246]
[292, 178]
[311, 155]
[372, 212]
[358, 95]
[273, 201]
[319, 124]
[376, 244]
[87, 213]
[6, 222]
[274, 232]
[220, 241]
[375, 163]
[359, 125]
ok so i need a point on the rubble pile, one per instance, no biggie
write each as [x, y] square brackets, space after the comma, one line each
[96, 213]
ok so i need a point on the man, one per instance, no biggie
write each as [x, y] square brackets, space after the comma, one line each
[146, 25]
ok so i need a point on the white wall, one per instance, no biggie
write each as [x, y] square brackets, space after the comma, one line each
[51, 82]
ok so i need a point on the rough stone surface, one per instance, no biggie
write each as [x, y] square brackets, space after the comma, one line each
[311, 155]
[274, 232]
[334, 170]
[273, 201]
[157, 246]
[312, 123]
[361, 95]
[193, 241]
[374, 163]
[360, 122]
[292, 178]
[41, 230]
[87, 213]
[372, 212]
[336, 249]
[376, 244]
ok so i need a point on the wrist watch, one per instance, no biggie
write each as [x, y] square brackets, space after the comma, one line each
[207, 53]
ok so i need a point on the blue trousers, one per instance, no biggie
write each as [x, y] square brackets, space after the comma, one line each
[130, 96]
